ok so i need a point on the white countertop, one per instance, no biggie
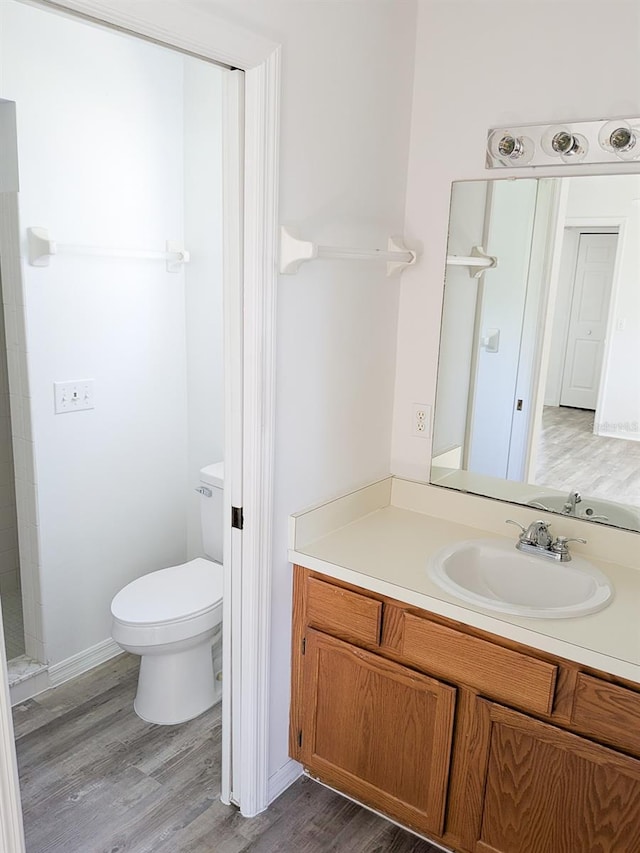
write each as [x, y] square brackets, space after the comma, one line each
[366, 540]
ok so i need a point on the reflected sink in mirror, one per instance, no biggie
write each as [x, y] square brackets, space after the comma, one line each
[492, 574]
[589, 509]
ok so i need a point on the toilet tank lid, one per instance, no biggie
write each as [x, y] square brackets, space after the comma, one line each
[213, 475]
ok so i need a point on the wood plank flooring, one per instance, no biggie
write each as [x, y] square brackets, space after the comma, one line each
[97, 779]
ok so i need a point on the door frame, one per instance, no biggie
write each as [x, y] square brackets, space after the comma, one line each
[205, 35]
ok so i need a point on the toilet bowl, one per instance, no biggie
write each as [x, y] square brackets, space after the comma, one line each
[172, 617]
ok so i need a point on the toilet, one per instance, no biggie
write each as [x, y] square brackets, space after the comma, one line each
[173, 617]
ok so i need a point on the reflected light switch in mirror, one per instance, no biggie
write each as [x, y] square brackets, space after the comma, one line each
[491, 341]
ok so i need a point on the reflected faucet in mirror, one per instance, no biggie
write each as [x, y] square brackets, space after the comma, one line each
[570, 506]
[549, 414]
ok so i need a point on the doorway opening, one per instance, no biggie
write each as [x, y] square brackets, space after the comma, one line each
[583, 302]
[118, 155]
[250, 278]
[119, 144]
[578, 371]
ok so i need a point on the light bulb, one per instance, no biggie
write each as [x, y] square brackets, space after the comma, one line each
[509, 149]
[561, 142]
[577, 151]
[619, 138]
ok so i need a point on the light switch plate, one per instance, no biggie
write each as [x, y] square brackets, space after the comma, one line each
[73, 395]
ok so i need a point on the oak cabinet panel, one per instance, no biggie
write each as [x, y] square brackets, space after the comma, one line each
[377, 731]
[607, 712]
[551, 791]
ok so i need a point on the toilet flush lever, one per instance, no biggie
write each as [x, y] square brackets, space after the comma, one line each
[205, 490]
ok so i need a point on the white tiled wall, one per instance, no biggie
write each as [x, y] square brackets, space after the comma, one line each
[9, 565]
[16, 398]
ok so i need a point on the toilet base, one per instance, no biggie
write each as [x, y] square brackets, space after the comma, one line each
[176, 687]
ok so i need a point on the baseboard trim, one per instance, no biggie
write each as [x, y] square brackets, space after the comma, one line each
[282, 778]
[83, 661]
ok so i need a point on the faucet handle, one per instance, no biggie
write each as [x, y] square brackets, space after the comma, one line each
[528, 535]
[561, 546]
[564, 540]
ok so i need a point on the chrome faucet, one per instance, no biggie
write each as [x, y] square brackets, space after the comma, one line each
[569, 507]
[536, 539]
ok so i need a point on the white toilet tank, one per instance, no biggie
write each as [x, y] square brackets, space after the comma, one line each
[211, 509]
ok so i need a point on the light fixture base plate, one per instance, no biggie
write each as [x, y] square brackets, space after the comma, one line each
[590, 130]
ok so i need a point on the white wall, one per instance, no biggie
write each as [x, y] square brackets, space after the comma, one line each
[345, 110]
[481, 64]
[9, 565]
[203, 277]
[104, 171]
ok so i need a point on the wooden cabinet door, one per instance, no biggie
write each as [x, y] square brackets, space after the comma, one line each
[550, 791]
[377, 731]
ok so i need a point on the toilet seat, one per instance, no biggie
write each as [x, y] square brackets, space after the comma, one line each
[169, 605]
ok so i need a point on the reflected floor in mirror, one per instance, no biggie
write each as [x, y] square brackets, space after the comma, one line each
[97, 779]
[571, 457]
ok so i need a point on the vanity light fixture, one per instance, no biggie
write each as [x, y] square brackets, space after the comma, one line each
[568, 143]
[620, 138]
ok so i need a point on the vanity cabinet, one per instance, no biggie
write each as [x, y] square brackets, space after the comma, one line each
[474, 741]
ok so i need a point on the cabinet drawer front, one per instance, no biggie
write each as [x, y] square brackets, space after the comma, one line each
[343, 613]
[607, 712]
[494, 671]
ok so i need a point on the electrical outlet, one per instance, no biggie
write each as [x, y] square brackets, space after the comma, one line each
[73, 395]
[421, 420]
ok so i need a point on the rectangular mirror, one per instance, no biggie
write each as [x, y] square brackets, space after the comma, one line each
[538, 393]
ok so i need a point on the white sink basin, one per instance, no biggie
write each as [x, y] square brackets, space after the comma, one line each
[492, 574]
[593, 509]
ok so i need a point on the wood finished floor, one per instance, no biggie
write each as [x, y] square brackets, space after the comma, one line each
[571, 457]
[97, 779]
